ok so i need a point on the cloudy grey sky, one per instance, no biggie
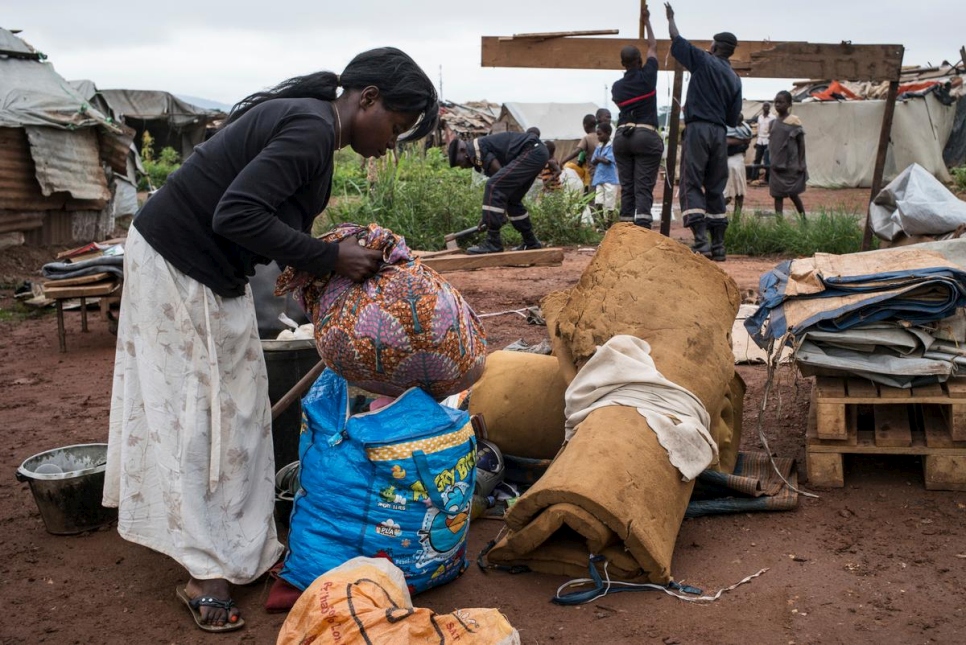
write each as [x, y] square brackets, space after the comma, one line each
[223, 50]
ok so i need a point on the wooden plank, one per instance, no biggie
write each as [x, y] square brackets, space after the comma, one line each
[671, 165]
[860, 387]
[956, 387]
[562, 34]
[892, 426]
[831, 421]
[936, 427]
[82, 291]
[885, 132]
[537, 257]
[956, 421]
[753, 59]
[422, 255]
[84, 279]
[933, 389]
[825, 470]
[812, 436]
[944, 472]
[827, 387]
[894, 393]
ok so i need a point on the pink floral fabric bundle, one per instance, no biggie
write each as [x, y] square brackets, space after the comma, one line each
[404, 327]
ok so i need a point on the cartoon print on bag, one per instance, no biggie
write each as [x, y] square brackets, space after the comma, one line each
[442, 532]
[390, 499]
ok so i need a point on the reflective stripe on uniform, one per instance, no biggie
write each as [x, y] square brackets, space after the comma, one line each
[519, 217]
[495, 209]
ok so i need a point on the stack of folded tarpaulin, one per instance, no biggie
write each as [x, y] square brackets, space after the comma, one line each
[893, 316]
[93, 259]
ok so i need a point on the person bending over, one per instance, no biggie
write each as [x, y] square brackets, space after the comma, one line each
[511, 161]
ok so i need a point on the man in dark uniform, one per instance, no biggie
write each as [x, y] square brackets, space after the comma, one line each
[713, 104]
[512, 161]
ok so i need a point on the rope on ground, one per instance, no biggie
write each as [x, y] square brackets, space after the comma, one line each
[604, 586]
[772, 363]
[519, 312]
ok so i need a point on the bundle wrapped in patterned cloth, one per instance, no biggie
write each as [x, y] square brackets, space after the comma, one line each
[404, 327]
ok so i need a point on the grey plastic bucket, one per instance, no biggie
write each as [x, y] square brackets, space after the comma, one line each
[68, 484]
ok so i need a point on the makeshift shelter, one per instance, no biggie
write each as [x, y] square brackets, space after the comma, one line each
[561, 123]
[842, 122]
[172, 122]
[61, 154]
[466, 120]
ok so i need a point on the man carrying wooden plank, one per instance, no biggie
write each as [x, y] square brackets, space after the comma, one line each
[512, 161]
[713, 104]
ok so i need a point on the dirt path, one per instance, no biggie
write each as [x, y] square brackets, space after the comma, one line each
[880, 561]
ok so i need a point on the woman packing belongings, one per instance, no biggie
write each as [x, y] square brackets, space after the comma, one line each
[512, 161]
[637, 145]
[190, 462]
[786, 146]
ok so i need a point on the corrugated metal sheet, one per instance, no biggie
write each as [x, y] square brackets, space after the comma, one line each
[115, 148]
[69, 162]
[57, 219]
[19, 190]
[56, 230]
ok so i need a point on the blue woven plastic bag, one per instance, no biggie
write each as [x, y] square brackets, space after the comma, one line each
[395, 483]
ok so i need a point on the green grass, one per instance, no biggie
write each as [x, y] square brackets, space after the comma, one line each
[17, 312]
[836, 232]
[959, 178]
[423, 199]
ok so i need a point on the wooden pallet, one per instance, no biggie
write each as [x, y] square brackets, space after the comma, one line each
[868, 419]
[836, 401]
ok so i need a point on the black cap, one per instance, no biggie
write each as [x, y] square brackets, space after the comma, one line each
[726, 38]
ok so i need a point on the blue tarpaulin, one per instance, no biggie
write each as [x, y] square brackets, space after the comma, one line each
[834, 293]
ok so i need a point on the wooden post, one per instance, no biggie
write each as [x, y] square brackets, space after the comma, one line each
[880, 159]
[674, 123]
[297, 390]
[642, 21]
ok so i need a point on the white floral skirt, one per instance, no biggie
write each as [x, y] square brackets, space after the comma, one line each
[190, 463]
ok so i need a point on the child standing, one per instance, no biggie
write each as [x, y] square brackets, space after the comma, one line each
[786, 146]
[605, 180]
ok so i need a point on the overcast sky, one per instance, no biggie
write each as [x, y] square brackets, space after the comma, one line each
[223, 51]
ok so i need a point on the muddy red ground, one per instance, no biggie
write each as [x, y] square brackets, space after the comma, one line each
[879, 561]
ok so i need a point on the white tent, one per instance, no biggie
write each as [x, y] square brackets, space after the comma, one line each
[841, 138]
[561, 123]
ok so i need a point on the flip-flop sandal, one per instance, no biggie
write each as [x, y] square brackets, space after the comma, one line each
[195, 605]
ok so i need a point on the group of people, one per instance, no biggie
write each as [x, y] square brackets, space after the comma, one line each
[190, 455]
[714, 144]
[788, 142]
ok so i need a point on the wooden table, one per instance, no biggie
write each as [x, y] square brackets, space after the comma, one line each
[105, 286]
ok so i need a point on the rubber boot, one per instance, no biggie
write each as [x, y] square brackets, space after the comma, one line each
[530, 243]
[525, 227]
[701, 244]
[643, 220]
[492, 244]
[717, 228]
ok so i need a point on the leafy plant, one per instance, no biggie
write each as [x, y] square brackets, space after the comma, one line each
[156, 169]
[831, 232]
[423, 199]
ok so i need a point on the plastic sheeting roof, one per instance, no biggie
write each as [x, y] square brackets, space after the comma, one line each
[33, 93]
[557, 121]
[156, 104]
